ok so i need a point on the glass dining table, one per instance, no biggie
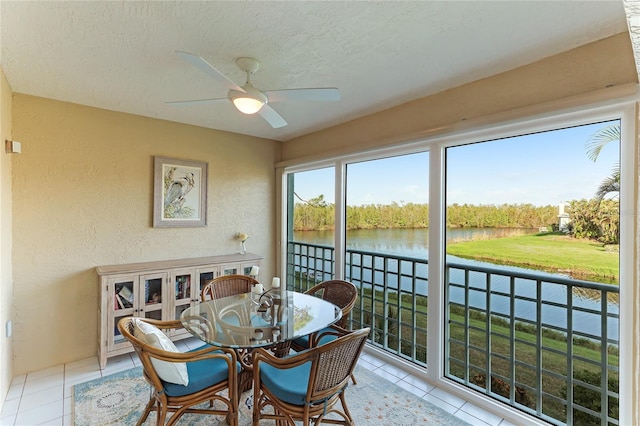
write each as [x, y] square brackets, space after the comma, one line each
[250, 320]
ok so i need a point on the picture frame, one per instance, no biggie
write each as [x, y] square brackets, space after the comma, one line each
[179, 193]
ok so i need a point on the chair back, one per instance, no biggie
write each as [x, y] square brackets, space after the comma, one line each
[144, 352]
[211, 369]
[226, 285]
[341, 293]
[333, 363]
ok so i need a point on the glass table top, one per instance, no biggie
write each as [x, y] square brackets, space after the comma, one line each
[252, 320]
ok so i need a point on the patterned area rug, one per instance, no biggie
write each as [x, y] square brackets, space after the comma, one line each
[120, 398]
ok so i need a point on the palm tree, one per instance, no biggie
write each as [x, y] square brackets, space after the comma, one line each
[609, 185]
[594, 146]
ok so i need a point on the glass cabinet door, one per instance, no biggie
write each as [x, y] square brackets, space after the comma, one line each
[232, 269]
[151, 296]
[184, 294]
[203, 276]
[122, 297]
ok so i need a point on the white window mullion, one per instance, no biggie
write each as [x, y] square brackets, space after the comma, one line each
[628, 235]
[435, 324]
[340, 219]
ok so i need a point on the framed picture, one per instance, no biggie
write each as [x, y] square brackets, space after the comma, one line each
[179, 193]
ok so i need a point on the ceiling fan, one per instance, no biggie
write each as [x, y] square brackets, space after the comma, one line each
[250, 100]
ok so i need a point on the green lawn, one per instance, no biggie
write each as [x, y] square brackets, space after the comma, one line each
[552, 252]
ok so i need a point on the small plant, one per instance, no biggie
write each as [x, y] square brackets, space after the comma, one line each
[502, 388]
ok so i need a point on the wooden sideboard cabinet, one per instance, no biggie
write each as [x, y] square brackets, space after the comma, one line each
[159, 290]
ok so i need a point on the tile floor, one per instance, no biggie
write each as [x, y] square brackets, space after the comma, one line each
[45, 397]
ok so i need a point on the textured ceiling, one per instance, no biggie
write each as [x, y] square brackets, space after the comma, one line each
[121, 55]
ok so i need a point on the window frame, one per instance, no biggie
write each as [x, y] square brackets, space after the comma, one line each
[624, 109]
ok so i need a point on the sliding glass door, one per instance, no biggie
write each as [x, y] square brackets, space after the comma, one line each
[533, 271]
[387, 227]
[310, 227]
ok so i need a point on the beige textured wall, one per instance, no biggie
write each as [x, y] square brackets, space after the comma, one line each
[83, 194]
[6, 277]
[582, 70]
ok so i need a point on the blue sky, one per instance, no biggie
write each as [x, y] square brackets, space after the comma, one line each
[542, 169]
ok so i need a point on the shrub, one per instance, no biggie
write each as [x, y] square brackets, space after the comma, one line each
[502, 388]
[590, 398]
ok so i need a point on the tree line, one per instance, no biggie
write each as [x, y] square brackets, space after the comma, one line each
[594, 219]
[320, 216]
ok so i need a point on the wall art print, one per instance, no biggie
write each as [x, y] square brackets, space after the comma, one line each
[179, 193]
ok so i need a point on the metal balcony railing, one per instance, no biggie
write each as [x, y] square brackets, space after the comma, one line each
[543, 344]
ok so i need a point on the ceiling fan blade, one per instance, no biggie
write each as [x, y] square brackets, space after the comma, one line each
[272, 117]
[208, 69]
[198, 102]
[314, 94]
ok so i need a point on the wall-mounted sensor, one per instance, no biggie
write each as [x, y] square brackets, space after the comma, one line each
[13, 147]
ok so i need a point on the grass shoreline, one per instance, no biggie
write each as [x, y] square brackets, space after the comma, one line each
[551, 252]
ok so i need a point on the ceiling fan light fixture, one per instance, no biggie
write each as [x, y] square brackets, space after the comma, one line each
[248, 102]
[247, 105]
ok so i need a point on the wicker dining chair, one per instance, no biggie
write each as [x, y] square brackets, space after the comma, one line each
[306, 386]
[180, 381]
[226, 285]
[341, 293]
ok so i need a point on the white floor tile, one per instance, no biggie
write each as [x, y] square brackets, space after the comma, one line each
[410, 388]
[81, 372]
[366, 364]
[43, 413]
[53, 422]
[51, 371]
[8, 421]
[419, 383]
[10, 407]
[507, 423]
[447, 397]
[181, 346]
[19, 380]
[83, 363]
[481, 414]
[392, 369]
[118, 363]
[15, 391]
[67, 406]
[390, 377]
[440, 403]
[372, 359]
[469, 418]
[51, 381]
[34, 400]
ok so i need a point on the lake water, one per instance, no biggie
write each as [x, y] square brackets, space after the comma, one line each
[403, 242]
[414, 243]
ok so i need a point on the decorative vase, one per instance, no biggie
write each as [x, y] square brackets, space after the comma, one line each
[244, 247]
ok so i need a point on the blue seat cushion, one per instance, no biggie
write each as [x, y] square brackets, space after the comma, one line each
[304, 340]
[202, 374]
[327, 338]
[290, 384]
